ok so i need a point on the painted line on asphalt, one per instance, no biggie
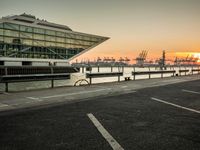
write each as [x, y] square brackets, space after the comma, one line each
[189, 91]
[175, 105]
[124, 86]
[32, 98]
[70, 94]
[3, 105]
[113, 143]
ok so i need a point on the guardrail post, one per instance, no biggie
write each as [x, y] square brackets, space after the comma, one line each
[149, 73]
[198, 70]
[192, 70]
[90, 80]
[82, 69]
[134, 77]
[111, 68]
[98, 68]
[118, 78]
[52, 83]
[6, 87]
[185, 71]
[161, 74]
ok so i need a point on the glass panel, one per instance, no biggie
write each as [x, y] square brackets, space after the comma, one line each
[38, 36]
[27, 42]
[26, 29]
[11, 26]
[74, 41]
[38, 43]
[60, 45]
[38, 30]
[1, 38]
[50, 32]
[60, 39]
[1, 31]
[1, 25]
[26, 35]
[62, 34]
[50, 38]
[50, 44]
[68, 41]
[69, 35]
[11, 33]
[8, 40]
[86, 38]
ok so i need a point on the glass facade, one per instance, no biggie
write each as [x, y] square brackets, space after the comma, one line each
[31, 42]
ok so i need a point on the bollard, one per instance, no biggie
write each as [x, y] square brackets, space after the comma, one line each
[118, 78]
[98, 68]
[111, 68]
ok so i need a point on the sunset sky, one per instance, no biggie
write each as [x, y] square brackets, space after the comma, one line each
[132, 25]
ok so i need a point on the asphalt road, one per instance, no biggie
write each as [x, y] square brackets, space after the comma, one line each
[157, 118]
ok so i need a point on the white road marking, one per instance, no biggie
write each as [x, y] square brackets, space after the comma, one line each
[194, 92]
[113, 143]
[32, 98]
[3, 105]
[69, 94]
[175, 105]
[124, 86]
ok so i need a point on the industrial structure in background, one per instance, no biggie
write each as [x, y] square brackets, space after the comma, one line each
[140, 60]
[188, 60]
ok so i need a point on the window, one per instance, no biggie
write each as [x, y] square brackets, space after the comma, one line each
[38, 36]
[1, 31]
[8, 40]
[27, 42]
[11, 26]
[50, 32]
[26, 35]
[60, 39]
[38, 30]
[1, 25]
[38, 43]
[69, 35]
[50, 44]
[60, 44]
[26, 29]
[50, 38]
[62, 34]
[1, 38]
[11, 33]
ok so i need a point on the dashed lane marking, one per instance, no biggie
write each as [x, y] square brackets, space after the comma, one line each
[189, 91]
[175, 105]
[113, 143]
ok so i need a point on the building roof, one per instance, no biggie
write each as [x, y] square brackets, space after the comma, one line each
[27, 18]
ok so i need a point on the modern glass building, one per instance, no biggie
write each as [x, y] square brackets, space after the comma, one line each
[26, 38]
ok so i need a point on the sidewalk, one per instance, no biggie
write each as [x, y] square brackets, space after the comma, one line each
[29, 99]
